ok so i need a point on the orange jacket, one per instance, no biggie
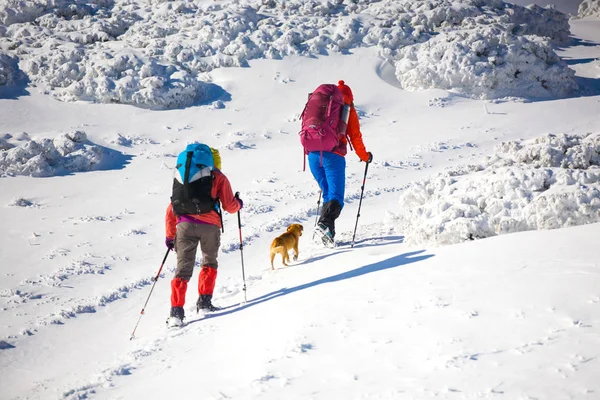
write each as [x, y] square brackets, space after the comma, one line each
[353, 132]
[221, 190]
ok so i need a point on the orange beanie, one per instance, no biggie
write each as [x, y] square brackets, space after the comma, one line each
[348, 97]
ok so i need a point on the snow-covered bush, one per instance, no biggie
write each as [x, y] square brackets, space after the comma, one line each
[115, 78]
[69, 152]
[550, 182]
[153, 53]
[535, 20]
[9, 72]
[487, 63]
[589, 8]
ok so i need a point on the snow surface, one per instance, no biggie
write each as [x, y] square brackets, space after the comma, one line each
[396, 316]
[156, 54]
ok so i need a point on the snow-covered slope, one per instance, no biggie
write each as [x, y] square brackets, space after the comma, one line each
[84, 187]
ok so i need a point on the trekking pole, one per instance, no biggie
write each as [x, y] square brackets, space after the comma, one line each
[237, 196]
[362, 190]
[317, 216]
[150, 294]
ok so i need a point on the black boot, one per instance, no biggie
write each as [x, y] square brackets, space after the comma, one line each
[205, 303]
[330, 212]
[176, 317]
[177, 312]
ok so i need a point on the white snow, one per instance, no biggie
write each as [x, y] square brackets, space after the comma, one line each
[414, 310]
[155, 54]
[68, 152]
[589, 8]
[546, 183]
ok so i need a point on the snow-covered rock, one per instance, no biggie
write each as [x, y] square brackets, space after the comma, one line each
[69, 152]
[589, 8]
[9, 72]
[550, 182]
[486, 63]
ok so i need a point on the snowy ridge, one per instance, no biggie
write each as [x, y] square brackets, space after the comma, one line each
[155, 54]
[546, 183]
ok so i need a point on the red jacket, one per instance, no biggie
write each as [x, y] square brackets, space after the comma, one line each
[353, 132]
[221, 190]
[353, 129]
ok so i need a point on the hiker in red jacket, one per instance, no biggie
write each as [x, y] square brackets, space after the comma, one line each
[329, 169]
[184, 233]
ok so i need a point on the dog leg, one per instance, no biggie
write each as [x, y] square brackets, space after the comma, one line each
[285, 257]
[272, 258]
[296, 253]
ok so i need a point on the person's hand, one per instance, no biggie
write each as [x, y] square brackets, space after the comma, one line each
[170, 243]
[237, 196]
[370, 159]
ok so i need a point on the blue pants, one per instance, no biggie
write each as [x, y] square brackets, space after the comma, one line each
[331, 175]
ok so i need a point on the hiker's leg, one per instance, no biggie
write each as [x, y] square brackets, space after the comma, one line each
[335, 174]
[318, 172]
[334, 167]
[210, 240]
[187, 244]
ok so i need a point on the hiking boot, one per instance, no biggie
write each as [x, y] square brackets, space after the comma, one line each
[176, 318]
[325, 234]
[205, 303]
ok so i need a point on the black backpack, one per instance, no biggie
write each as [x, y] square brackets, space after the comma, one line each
[192, 185]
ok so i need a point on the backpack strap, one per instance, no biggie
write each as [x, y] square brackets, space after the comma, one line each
[188, 164]
[186, 174]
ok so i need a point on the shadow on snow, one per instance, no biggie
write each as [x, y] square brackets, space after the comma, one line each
[393, 262]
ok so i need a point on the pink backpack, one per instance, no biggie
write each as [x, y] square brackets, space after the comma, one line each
[321, 127]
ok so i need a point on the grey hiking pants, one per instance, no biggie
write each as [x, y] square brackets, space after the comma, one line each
[189, 235]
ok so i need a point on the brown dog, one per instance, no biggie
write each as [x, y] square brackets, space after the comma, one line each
[285, 242]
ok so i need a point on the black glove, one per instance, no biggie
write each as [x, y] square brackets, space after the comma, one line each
[237, 196]
[170, 243]
[370, 157]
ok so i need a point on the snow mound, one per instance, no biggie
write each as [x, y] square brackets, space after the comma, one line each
[9, 72]
[115, 78]
[69, 152]
[546, 183]
[589, 8]
[155, 54]
[22, 202]
[486, 63]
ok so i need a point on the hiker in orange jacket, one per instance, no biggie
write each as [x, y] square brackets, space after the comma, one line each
[329, 169]
[184, 233]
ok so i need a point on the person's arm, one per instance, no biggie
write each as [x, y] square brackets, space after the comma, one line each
[170, 223]
[226, 196]
[355, 136]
